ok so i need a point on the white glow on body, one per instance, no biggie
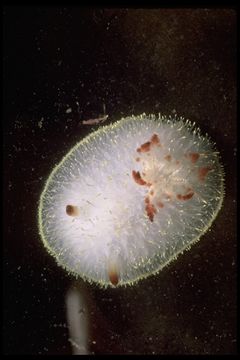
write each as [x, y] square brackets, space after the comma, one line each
[111, 238]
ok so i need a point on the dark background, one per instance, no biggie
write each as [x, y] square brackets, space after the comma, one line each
[151, 60]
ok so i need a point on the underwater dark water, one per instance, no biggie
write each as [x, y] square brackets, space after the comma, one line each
[122, 61]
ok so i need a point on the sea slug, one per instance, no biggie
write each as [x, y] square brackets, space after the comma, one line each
[130, 197]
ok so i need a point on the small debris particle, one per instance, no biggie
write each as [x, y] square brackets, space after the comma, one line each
[40, 123]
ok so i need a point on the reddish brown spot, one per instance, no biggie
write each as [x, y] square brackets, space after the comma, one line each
[151, 192]
[177, 162]
[168, 157]
[150, 210]
[137, 159]
[113, 277]
[188, 196]
[155, 139]
[194, 157]
[72, 210]
[202, 173]
[137, 178]
[185, 197]
[147, 200]
[144, 147]
[160, 204]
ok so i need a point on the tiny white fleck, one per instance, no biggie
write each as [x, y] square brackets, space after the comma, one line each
[40, 123]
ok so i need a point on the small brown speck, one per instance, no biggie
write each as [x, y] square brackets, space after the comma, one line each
[72, 210]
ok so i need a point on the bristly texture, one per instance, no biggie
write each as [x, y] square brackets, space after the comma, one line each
[127, 199]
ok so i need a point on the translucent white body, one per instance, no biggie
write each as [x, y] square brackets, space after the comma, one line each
[129, 198]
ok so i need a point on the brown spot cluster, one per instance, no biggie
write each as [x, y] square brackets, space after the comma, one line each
[201, 171]
[146, 147]
[150, 208]
[152, 205]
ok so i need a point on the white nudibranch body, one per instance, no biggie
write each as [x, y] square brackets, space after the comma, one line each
[127, 199]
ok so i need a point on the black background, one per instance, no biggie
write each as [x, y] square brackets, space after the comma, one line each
[132, 60]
